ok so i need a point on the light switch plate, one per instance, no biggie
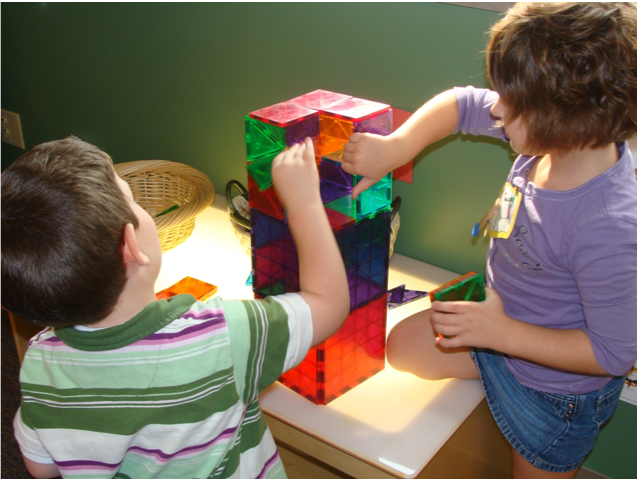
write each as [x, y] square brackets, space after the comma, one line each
[11, 129]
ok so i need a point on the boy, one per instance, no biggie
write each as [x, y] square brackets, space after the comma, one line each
[121, 385]
[558, 330]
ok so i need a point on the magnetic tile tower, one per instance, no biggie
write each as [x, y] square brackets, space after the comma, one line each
[362, 229]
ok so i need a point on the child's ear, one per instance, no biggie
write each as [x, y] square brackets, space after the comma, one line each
[131, 249]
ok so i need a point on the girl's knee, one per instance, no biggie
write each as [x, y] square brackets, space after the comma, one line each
[410, 347]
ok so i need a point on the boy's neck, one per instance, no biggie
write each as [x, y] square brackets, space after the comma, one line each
[135, 297]
[559, 171]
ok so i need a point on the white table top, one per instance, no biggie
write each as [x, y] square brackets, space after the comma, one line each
[394, 421]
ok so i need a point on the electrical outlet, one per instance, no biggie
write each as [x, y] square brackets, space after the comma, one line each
[11, 129]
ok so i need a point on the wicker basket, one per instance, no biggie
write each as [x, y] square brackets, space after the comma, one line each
[239, 213]
[161, 185]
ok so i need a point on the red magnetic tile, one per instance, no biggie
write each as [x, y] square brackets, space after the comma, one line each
[357, 109]
[319, 99]
[283, 114]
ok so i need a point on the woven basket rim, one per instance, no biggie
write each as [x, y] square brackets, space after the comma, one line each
[203, 198]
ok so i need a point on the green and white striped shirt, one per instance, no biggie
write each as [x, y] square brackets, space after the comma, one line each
[172, 393]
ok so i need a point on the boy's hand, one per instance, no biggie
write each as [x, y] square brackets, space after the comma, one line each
[477, 324]
[296, 177]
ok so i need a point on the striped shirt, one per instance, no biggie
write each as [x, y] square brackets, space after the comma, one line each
[171, 393]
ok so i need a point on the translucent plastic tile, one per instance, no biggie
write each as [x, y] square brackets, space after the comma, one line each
[284, 114]
[266, 201]
[365, 250]
[319, 99]
[338, 220]
[329, 144]
[356, 109]
[345, 205]
[376, 198]
[400, 295]
[335, 132]
[189, 285]
[260, 170]
[353, 354]
[381, 124]
[469, 287]
[331, 192]
[297, 132]
[296, 121]
[331, 171]
[335, 181]
[361, 227]
[275, 266]
[263, 138]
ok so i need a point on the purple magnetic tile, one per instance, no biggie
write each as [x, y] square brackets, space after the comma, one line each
[357, 109]
[297, 132]
[412, 295]
[358, 295]
[331, 192]
[399, 296]
[283, 114]
[319, 99]
[395, 295]
[332, 172]
[379, 124]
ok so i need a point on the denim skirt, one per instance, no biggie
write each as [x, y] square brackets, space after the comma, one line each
[554, 432]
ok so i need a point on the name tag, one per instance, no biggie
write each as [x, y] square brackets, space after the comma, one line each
[505, 212]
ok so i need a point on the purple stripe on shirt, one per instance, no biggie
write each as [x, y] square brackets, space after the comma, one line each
[226, 434]
[268, 465]
[195, 329]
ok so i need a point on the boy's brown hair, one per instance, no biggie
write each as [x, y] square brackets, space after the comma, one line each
[569, 70]
[63, 219]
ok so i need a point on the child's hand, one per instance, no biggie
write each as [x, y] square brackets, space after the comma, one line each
[477, 324]
[367, 155]
[295, 176]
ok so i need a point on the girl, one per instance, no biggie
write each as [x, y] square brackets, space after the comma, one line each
[557, 332]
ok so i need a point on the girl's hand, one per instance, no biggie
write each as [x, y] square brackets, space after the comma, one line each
[469, 323]
[370, 156]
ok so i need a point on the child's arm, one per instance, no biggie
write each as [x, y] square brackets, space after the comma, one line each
[322, 273]
[373, 156]
[485, 324]
[41, 471]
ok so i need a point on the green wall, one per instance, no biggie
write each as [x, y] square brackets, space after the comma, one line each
[174, 81]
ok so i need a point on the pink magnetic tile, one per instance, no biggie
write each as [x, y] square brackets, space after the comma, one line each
[406, 172]
[319, 99]
[357, 109]
[283, 114]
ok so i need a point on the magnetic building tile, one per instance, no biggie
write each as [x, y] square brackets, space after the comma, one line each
[353, 354]
[361, 227]
[357, 109]
[319, 99]
[189, 285]
[263, 138]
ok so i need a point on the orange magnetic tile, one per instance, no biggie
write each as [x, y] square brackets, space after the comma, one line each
[189, 285]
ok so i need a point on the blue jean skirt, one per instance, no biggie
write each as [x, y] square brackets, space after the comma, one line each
[554, 432]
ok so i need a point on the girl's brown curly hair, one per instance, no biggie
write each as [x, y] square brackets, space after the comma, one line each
[569, 70]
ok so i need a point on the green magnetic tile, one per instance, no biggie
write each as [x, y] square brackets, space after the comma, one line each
[261, 168]
[344, 205]
[263, 138]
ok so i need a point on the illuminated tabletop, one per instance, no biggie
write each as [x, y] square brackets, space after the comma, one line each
[394, 422]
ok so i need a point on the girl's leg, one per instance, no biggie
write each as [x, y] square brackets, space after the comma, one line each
[523, 469]
[411, 347]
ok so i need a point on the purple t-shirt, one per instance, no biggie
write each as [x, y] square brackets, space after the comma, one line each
[570, 261]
